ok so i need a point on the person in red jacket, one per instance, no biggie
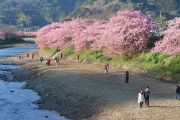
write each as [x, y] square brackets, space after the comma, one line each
[33, 56]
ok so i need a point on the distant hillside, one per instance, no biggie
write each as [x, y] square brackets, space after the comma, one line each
[105, 8]
[25, 13]
[35, 12]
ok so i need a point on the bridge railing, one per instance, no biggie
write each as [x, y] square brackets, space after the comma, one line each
[26, 34]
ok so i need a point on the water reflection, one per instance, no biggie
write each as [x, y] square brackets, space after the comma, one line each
[16, 50]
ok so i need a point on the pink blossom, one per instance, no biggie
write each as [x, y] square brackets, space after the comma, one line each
[2, 36]
[170, 43]
[126, 31]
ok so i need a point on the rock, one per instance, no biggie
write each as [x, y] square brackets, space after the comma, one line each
[12, 91]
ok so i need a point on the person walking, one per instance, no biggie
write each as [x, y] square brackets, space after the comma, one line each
[178, 93]
[141, 98]
[106, 68]
[127, 77]
[41, 59]
[33, 56]
[27, 54]
[147, 95]
[56, 59]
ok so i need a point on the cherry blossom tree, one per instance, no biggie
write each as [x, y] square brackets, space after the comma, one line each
[170, 43]
[62, 34]
[45, 34]
[126, 31]
[89, 37]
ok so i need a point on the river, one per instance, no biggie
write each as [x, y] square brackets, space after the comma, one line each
[16, 102]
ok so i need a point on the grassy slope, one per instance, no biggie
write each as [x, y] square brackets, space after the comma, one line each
[160, 64]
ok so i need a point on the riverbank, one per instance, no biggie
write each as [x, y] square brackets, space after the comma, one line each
[16, 43]
[156, 65]
[82, 91]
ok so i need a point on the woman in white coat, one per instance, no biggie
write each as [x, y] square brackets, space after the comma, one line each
[141, 98]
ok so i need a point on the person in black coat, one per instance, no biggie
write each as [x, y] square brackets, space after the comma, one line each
[147, 95]
[178, 92]
[127, 77]
[78, 57]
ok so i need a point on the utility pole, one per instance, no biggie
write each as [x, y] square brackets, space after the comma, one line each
[160, 17]
[161, 21]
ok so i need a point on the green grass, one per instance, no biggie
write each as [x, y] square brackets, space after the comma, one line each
[152, 62]
[46, 52]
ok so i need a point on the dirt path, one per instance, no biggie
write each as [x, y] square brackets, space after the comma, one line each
[82, 91]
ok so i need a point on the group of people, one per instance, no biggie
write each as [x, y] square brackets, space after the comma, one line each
[47, 61]
[143, 96]
[106, 71]
[32, 56]
[20, 56]
[27, 55]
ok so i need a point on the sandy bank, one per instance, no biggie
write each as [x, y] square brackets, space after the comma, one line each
[81, 91]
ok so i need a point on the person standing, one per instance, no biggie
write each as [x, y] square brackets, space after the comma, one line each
[19, 56]
[48, 62]
[178, 93]
[78, 57]
[127, 77]
[58, 59]
[141, 98]
[27, 54]
[146, 96]
[106, 68]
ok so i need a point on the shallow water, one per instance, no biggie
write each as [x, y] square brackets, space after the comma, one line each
[16, 50]
[16, 102]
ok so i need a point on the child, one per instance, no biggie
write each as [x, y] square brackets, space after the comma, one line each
[141, 98]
